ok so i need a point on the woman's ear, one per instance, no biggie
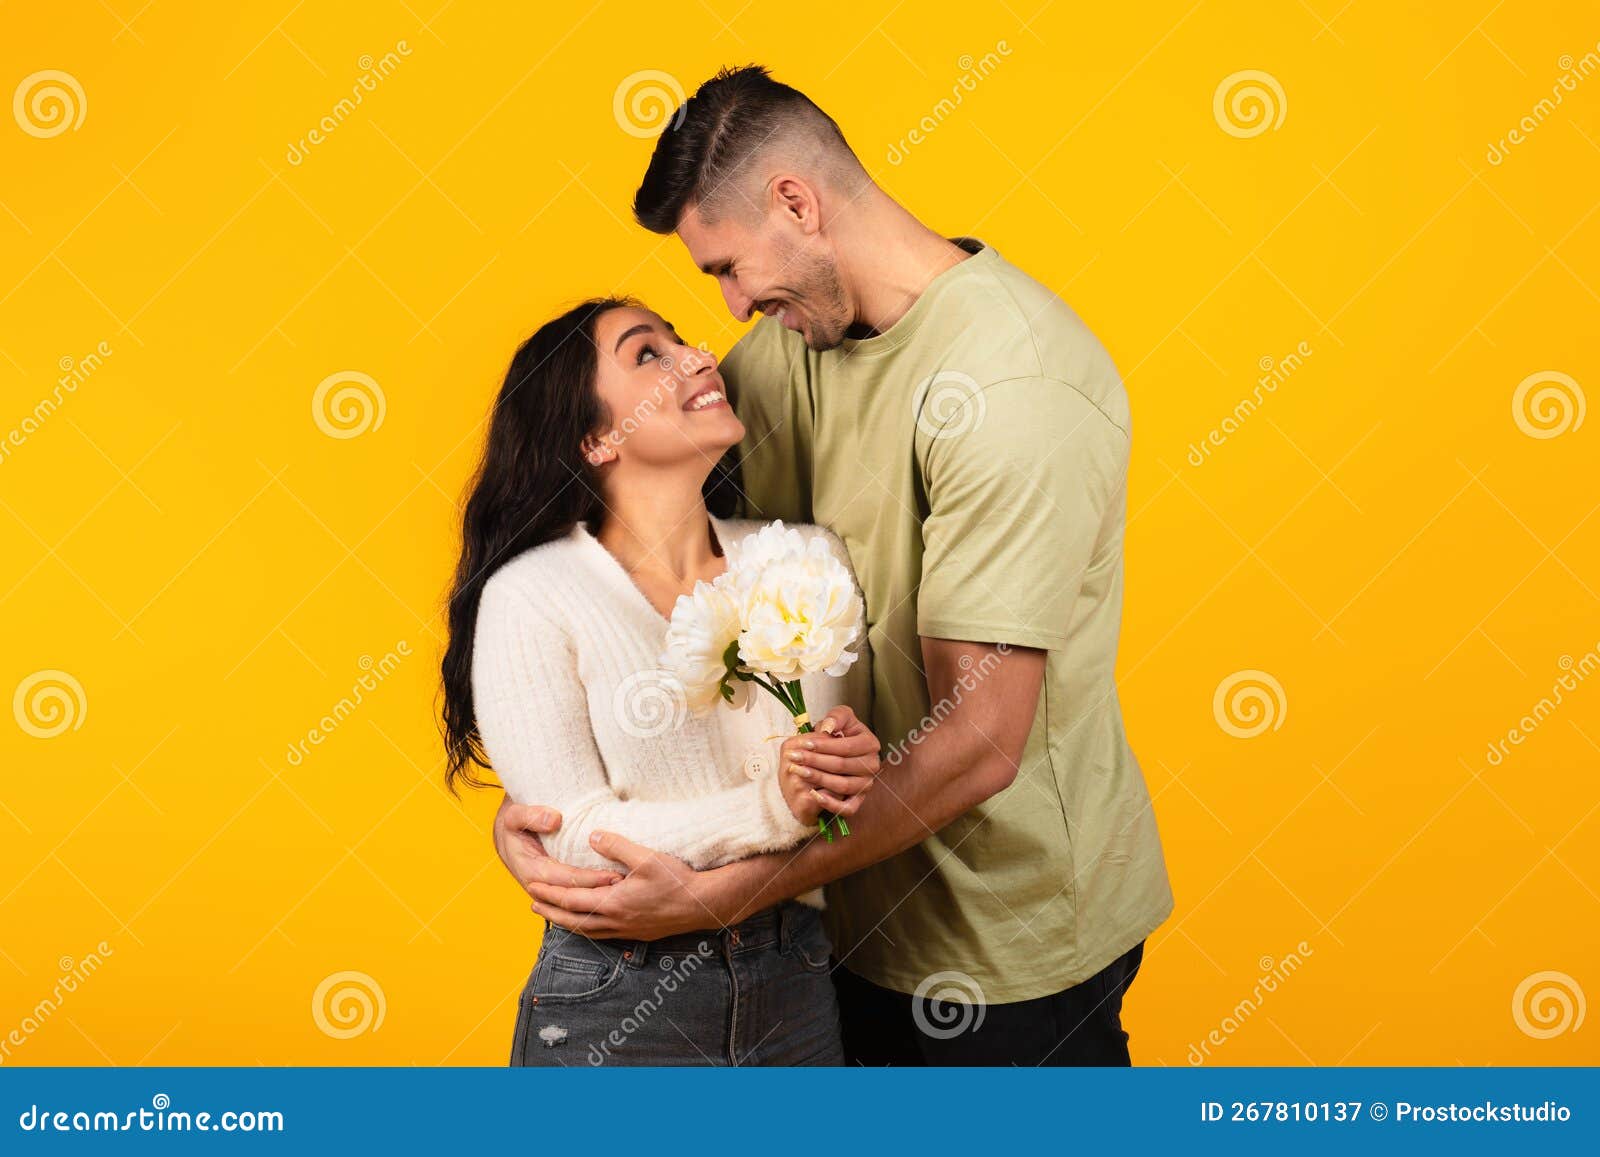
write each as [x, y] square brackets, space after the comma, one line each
[598, 451]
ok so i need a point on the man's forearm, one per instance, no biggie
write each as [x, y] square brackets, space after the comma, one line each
[972, 754]
[911, 802]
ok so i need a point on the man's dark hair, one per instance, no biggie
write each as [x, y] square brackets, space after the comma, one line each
[729, 121]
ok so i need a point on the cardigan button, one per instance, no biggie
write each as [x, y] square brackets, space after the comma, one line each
[755, 765]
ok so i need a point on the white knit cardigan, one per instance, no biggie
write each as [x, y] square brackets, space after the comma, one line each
[573, 714]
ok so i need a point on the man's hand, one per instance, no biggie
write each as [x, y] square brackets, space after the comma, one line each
[660, 896]
[517, 828]
[972, 755]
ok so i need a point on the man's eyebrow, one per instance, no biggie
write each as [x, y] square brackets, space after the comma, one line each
[720, 265]
[633, 331]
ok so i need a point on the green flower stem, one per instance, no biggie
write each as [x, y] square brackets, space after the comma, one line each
[772, 687]
[793, 697]
[826, 821]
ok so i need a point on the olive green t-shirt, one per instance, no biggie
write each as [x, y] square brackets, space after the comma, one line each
[974, 460]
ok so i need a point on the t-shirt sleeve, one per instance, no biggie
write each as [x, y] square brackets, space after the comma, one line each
[1020, 481]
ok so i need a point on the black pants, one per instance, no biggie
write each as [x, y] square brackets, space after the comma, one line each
[1081, 1025]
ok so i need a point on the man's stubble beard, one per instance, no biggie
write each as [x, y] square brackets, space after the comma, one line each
[820, 291]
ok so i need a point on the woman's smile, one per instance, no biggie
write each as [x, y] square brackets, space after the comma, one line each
[707, 397]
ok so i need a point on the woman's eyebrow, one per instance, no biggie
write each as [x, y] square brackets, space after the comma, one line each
[632, 331]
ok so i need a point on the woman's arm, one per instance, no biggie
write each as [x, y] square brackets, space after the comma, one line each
[533, 717]
[970, 757]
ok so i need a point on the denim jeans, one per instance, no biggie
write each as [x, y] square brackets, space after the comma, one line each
[757, 993]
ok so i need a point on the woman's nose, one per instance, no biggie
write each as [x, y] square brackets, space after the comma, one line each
[695, 360]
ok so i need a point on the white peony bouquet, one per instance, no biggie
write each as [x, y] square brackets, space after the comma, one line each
[785, 607]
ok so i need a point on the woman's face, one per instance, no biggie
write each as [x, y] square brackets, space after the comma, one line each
[665, 398]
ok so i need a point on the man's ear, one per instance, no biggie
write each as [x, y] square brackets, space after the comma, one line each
[597, 451]
[797, 200]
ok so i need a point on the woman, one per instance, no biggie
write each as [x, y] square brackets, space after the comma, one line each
[588, 518]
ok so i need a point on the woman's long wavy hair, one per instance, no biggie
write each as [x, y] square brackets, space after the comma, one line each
[532, 486]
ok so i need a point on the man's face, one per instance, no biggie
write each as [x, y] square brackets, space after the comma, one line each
[767, 264]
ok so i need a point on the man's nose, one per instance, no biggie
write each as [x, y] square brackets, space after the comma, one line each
[738, 304]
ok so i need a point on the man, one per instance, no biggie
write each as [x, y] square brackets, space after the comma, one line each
[968, 438]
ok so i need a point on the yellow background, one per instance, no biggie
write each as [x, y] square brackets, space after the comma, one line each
[1381, 536]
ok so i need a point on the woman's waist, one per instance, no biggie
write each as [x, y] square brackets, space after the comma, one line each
[772, 927]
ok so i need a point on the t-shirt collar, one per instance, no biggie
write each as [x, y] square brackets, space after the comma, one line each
[902, 330]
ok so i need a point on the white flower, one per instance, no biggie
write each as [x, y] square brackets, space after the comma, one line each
[771, 543]
[703, 624]
[797, 604]
[787, 602]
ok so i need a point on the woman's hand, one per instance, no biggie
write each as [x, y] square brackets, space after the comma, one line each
[831, 768]
[799, 795]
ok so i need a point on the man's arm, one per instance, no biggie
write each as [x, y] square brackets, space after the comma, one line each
[972, 755]
[969, 757]
[1024, 495]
